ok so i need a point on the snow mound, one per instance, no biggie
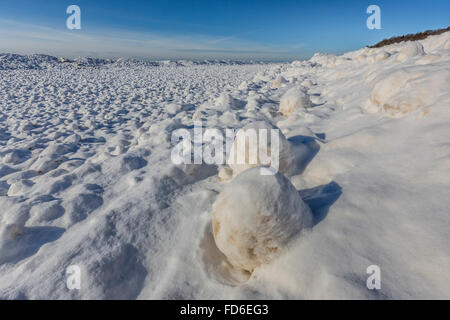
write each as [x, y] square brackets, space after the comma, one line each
[324, 59]
[378, 57]
[225, 101]
[285, 158]
[410, 49]
[307, 83]
[406, 90]
[278, 82]
[19, 187]
[173, 108]
[256, 216]
[292, 100]
[253, 102]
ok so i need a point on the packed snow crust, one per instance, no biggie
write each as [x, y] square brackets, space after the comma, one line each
[86, 177]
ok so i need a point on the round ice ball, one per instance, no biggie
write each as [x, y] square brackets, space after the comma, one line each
[255, 216]
[293, 99]
[253, 148]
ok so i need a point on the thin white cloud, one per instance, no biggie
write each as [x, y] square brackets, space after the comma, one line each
[28, 38]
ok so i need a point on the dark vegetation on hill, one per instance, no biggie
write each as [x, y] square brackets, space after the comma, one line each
[409, 37]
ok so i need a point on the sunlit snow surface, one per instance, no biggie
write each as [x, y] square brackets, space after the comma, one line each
[86, 176]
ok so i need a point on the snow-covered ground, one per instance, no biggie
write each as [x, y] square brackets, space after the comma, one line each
[86, 176]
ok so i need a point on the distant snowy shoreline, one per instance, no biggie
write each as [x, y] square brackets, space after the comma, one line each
[11, 61]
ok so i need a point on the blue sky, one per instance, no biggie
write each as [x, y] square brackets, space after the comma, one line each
[198, 29]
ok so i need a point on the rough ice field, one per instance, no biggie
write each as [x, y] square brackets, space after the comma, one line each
[86, 177]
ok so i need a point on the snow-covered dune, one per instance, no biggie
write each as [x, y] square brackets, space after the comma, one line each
[86, 177]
